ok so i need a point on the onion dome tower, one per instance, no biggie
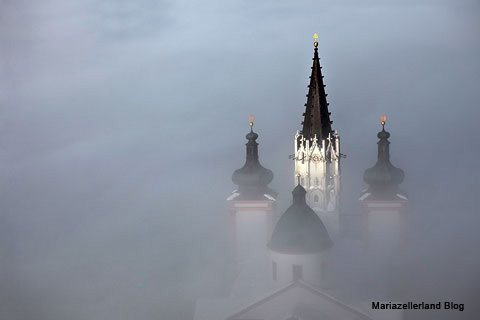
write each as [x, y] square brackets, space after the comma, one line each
[299, 241]
[251, 205]
[383, 178]
[252, 179]
[383, 201]
[317, 152]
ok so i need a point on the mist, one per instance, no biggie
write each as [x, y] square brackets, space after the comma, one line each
[121, 123]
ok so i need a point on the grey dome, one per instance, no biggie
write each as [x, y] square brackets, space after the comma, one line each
[299, 229]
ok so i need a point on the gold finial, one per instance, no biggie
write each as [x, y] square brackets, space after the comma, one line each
[383, 118]
[315, 36]
[250, 118]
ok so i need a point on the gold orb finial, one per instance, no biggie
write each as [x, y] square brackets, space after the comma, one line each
[383, 118]
[315, 36]
[250, 119]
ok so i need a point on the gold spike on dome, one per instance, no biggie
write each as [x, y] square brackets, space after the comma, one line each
[383, 118]
[315, 36]
[250, 119]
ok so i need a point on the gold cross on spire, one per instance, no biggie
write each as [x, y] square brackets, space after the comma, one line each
[315, 36]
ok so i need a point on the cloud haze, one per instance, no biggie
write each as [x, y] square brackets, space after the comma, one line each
[121, 123]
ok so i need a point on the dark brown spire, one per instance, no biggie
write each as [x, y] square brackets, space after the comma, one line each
[317, 118]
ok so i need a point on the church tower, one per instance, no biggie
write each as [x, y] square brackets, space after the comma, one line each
[383, 201]
[317, 152]
[251, 205]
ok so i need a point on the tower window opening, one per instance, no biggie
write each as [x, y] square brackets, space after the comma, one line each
[315, 198]
[297, 272]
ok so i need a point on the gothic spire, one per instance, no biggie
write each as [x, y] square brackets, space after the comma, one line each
[317, 118]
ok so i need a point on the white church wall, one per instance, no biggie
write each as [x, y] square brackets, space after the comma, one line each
[384, 229]
[311, 266]
[252, 230]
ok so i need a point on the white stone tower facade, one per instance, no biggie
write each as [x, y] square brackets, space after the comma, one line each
[317, 164]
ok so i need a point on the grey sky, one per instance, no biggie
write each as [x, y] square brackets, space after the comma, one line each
[116, 114]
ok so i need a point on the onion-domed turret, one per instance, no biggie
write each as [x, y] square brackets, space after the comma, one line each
[252, 179]
[383, 178]
[299, 230]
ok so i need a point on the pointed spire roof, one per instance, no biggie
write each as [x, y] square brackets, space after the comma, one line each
[317, 117]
